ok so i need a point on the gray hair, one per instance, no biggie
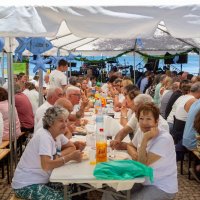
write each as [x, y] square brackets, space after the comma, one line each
[73, 80]
[70, 90]
[52, 114]
[51, 91]
[195, 87]
[143, 98]
[17, 88]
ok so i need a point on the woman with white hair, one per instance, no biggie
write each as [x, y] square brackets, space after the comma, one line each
[42, 155]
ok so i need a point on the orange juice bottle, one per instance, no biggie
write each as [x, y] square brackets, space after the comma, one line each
[101, 147]
[103, 99]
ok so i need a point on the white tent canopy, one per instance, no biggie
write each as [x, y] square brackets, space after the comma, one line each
[101, 22]
[96, 30]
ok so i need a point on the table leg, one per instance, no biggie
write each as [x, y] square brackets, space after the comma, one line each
[128, 194]
[65, 192]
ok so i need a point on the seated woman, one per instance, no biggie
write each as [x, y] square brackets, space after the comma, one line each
[4, 110]
[42, 155]
[155, 148]
[1, 127]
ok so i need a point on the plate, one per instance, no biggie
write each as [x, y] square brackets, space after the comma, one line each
[119, 156]
[79, 129]
[88, 113]
[85, 156]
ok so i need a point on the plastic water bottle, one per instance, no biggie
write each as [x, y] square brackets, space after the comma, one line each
[97, 106]
[99, 122]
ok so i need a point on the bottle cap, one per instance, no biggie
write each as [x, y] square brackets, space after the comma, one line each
[101, 129]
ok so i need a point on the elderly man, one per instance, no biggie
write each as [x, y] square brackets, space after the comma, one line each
[62, 102]
[66, 104]
[52, 95]
[73, 94]
[132, 124]
[24, 110]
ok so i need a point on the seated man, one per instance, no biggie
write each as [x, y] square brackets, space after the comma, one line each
[73, 94]
[52, 95]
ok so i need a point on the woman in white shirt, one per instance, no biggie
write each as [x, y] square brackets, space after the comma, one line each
[43, 154]
[155, 148]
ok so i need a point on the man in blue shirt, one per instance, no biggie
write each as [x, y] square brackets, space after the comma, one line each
[189, 135]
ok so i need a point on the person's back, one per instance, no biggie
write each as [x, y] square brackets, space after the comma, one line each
[57, 78]
[189, 135]
[181, 113]
[40, 111]
[164, 102]
[4, 109]
[5, 114]
[24, 110]
[33, 97]
[175, 95]
[1, 128]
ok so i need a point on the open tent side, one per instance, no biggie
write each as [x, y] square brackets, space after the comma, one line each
[114, 22]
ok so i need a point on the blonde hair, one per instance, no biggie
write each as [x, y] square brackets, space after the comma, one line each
[126, 82]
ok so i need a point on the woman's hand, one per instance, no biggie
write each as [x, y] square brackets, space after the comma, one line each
[152, 133]
[80, 145]
[124, 111]
[76, 155]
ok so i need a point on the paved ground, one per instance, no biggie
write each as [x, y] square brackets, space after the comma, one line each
[188, 189]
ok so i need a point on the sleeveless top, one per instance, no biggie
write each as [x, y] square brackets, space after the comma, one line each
[180, 113]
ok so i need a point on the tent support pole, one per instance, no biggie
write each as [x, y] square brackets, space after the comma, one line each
[11, 105]
[2, 68]
[40, 87]
[199, 62]
[70, 68]
[134, 65]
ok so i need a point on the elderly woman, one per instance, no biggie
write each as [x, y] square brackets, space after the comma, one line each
[43, 154]
[4, 110]
[154, 147]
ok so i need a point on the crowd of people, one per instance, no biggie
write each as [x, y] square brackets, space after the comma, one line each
[160, 114]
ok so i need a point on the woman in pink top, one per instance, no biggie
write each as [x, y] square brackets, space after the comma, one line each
[4, 110]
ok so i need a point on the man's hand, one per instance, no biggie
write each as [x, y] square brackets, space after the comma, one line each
[80, 145]
[132, 152]
[115, 144]
[84, 102]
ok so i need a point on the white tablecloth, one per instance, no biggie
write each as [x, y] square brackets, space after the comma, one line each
[73, 172]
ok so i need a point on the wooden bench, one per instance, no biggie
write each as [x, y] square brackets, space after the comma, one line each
[4, 144]
[4, 155]
[21, 138]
